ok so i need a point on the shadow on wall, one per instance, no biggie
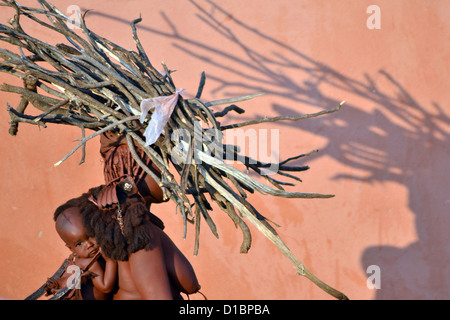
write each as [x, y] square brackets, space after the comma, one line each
[399, 141]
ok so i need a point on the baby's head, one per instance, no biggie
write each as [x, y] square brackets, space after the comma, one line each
[69, 225]
[80, 220]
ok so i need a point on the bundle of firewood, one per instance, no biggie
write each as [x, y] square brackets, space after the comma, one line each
[92, 83]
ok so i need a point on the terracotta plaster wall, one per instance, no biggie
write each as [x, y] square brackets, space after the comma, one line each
[384, 155]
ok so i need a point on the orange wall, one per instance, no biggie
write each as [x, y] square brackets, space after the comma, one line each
[384, 154]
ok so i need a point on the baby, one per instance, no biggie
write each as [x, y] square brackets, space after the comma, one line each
[149, 265]
[102, 272]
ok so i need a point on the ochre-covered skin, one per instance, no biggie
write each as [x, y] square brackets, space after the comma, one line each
[150, 266]
[384, 154]
[100, 277]
[162, 272]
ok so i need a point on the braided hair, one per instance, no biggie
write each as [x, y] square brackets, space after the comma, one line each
[102, 224]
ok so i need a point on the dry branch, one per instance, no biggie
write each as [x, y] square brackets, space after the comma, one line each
[92, 83]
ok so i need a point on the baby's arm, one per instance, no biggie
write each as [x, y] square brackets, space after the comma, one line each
[104, 280]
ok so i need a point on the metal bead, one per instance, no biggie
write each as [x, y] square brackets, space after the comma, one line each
[127, 186]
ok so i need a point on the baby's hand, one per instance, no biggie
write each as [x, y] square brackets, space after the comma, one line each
[54, 285]
[101, 252]
[51, 286]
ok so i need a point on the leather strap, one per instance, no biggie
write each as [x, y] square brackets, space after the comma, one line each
[39, 292]
[74, 291]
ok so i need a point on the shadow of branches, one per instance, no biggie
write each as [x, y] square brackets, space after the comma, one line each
[396, 139]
